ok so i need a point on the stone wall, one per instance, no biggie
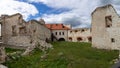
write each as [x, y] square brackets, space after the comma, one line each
[2, 54]
[17, 32]
[79, 35]
[105, 28]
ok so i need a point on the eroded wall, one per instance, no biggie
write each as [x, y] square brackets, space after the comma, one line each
[105, 28]
[17, 32]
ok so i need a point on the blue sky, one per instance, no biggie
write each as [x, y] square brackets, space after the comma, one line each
[44, 9]
[74, 12]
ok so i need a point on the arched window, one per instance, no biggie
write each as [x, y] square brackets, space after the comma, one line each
[90, 39]
[61, 39]
[70, 38]
[79, 39]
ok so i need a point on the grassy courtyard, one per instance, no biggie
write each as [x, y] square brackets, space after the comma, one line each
[66, 55]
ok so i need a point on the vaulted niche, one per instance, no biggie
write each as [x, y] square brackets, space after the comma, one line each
[108, 21]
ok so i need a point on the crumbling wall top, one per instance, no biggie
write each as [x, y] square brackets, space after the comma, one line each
[102, 7]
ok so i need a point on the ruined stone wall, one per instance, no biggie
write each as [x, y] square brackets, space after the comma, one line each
[105, 28]
[17, 32]
[7, 23]
[11, 33]
[80, 35]
[39, 30]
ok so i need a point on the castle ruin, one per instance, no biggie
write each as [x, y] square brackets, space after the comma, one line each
[105, 28]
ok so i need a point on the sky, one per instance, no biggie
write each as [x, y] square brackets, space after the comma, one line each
[74, 12]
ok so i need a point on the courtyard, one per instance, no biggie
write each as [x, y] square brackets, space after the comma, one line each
[64, 55]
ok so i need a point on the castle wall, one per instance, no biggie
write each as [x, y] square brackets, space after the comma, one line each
[17, 32]
[80, 35]
[105, 28]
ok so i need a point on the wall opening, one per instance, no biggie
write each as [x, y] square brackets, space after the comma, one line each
[70, 38]
[14, 30]
[82, 30]
[108, 21]
[62, 33]
[55, 33]
[90, 39]
[61, 39]
[76, 30]
[22, 30]
[47, 40]
[59, 33]
[79, 39]
[112, 40]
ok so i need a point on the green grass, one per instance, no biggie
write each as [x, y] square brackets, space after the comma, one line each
[10, 50]
[67, 55]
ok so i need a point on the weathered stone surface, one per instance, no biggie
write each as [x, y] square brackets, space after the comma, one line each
[2, 66]
[80, 35]
[17, 32]
[42, 45]
[2, 55]
[105, 28]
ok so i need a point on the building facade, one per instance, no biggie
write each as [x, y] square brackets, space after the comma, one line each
[80, 35]
[59, 31]
[105, 28]
[66, 33]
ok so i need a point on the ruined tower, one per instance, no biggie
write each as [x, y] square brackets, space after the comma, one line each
[105, 28]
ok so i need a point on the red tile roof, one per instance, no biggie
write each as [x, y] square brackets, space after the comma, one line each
[57, 27]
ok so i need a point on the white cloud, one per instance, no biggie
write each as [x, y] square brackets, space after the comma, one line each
[80, 14]
[13, 6]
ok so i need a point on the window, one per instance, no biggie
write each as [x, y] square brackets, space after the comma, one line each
[90, 39]
[63, 33]
[34, 31]
[70, 38]
[82, 30]
[79, 39]
[59, 33]
[22, 31]
[76, 31]
[108, 20]
[112, 40]
[55, 33]
[14, 30]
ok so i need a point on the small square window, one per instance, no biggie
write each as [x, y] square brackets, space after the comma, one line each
[82, 30]
[56, 33]
[112, 40]
[59, 33]
[63, 33]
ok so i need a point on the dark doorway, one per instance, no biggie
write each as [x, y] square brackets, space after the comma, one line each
[61, 39]
[90, 39]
